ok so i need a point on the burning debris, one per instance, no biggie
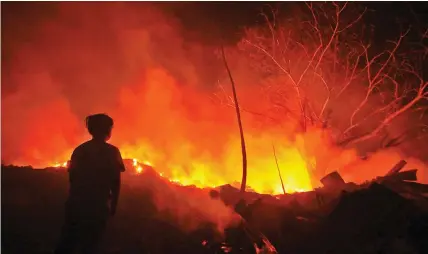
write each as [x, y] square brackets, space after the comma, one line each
[378, 215]
[304, 214]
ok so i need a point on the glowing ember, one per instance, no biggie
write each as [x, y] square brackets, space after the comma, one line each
[139, 169]
[60, 165]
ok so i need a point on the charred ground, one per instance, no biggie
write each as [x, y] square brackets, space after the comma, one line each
[373, 219]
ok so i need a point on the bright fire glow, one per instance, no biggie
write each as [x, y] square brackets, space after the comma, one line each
[262, 173]
[139, 169]
[263, 177]
[60, 165]
[169, 115]
[201, 181]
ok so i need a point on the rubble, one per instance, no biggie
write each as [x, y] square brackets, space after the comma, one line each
[371, 217]
[379, 216]
[385, 215]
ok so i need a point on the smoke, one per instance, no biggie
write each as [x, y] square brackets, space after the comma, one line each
[131, 62]
[63, 61]
[285, 52]
[187, 207]
[87, 58]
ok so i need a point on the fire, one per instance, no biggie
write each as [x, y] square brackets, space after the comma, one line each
[263, 176]
[61, 165]
[139, 169]
[263, 173]
[200, 180]
[163, 93]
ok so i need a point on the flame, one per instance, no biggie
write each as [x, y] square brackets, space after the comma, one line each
[199, 180]
[159, 89]
[60, 165]
[139, 169]
[266, 180]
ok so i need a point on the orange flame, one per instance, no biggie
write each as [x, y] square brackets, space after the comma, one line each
[265, 180]
[162, 102]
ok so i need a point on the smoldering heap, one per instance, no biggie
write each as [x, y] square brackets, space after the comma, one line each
[387, 214]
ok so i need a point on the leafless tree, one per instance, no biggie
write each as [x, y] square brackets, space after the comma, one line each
[238, 116]
[325, 65]
[326, 51]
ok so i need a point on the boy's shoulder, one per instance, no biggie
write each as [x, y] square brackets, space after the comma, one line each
[113, 148]
[88, 145]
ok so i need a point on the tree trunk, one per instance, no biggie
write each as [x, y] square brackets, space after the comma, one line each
[241, 131]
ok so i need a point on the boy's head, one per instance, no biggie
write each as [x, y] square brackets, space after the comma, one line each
[99, 126]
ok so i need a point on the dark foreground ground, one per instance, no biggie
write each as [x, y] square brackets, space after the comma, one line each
[373, 220]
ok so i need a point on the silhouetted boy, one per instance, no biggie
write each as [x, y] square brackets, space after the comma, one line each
[94, 173]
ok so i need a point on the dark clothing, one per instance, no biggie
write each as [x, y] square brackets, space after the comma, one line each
[94, 173]
[83, 232]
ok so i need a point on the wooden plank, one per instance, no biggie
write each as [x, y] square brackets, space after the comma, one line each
[408, 175]
[399, 166]
[333, 180]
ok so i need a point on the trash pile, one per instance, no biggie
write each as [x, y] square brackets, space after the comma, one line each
[388, 214]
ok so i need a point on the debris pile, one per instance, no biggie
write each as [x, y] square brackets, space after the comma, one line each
[388, 214]
[385, 215]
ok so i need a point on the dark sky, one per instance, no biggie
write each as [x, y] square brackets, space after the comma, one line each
[231, 17]
[212, 21]
[209, 22]
[214, 18]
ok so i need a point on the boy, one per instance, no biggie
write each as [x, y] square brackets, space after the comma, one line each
[94, 175]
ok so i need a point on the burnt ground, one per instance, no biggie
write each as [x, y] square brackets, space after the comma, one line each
[372, 220]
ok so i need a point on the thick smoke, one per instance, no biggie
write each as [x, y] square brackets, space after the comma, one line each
[63, 61]
[132, 63]
[85, 58]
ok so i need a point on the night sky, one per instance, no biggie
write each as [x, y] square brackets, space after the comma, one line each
[211, 22]
[216, 18]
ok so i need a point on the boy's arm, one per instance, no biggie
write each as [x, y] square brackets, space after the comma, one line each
[121, 165]
[72, 165]
[115, 190]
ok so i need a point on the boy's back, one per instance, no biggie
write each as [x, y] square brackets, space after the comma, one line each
[94, 174]
[94, 171]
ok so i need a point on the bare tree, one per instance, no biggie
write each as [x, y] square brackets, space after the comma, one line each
[241, 130]
[326, 53]
[323, 47]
